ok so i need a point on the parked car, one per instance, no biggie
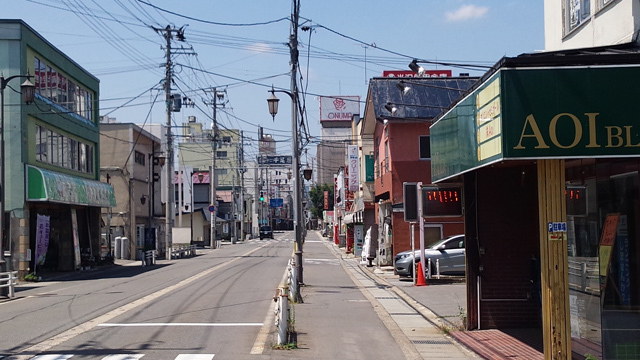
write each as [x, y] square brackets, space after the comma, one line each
[450, 252]
[266, 232]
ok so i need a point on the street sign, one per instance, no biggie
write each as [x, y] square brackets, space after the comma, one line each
[275, 160]
[276, 203]
[212, 208]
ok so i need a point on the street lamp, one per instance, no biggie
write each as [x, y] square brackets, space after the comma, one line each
[273, 110]
[28, 93]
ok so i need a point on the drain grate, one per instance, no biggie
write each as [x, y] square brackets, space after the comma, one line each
[431, 342]
[404, 313]
[386, 297]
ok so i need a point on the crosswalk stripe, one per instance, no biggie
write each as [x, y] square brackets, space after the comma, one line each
[52, 357]
[195, 357]
[123, 357]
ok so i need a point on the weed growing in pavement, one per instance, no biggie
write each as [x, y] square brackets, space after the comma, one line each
[590, 357]
[287, 346]
[462, 314]
[32, 277]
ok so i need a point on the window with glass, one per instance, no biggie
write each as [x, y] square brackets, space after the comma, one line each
[576, 13]
[54, 86]
[221, 154]
[139, 158]
[603, 232]
[59, 150]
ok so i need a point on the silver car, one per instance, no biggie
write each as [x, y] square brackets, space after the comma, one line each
[450, 252]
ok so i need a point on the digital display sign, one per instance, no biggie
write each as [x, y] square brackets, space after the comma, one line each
[441, 201]
[576, 197]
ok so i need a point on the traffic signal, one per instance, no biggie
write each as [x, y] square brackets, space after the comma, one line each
[261, 196]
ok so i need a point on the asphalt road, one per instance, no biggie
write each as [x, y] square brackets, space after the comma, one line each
[218, 303]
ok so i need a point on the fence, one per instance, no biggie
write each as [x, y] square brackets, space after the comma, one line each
[584, 275]
[10, 280]
[284, 298]
[183, 251]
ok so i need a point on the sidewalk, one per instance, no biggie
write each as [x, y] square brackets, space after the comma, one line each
[333, 305]
[443, 305]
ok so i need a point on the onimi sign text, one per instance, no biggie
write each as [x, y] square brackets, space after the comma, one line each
[339, 108]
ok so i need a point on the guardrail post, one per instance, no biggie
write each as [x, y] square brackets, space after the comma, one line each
[583, 276]
[283, 319]
[12, 283]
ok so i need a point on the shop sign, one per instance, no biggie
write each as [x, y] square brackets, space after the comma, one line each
[410, 74]
[536, 114]
[339, 108]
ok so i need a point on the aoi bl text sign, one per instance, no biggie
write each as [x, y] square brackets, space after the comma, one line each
[536, 113]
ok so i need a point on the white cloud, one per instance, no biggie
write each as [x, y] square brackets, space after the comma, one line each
[259, 48]
[466, 12]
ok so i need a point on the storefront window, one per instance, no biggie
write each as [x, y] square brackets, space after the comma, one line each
[604, 277]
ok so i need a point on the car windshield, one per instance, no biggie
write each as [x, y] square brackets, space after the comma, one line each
[265, 228]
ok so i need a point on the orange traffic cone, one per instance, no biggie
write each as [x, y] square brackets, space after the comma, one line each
[420, 281]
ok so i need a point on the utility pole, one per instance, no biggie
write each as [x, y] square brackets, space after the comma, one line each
[213, 179]
[167, 33]
[242, 171]
[293, 47]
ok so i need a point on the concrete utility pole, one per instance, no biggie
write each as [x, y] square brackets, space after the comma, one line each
[167, 33]
[242, 171]
[293, 47]
[213, 179]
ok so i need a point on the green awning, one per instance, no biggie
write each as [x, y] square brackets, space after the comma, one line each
[47, 185]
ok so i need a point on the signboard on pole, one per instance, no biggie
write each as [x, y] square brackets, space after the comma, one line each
[354, 172]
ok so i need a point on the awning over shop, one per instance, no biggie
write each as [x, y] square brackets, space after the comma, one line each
[525, 112]
[47, 185]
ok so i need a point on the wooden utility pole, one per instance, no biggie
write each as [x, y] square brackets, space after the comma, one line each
[556, 320]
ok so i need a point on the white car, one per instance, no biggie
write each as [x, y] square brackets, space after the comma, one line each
[450, 252]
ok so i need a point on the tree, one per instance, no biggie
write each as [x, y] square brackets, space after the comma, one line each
[316, 195]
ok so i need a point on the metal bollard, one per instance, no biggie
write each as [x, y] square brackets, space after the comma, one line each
[583, 276]
[429, 268]
[438, 269]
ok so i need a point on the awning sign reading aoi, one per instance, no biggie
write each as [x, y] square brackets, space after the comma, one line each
[47, 185]
[538, 113]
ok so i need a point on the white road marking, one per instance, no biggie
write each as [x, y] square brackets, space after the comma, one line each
[102, 319]
[123, 357]
[195, 357]
[52, 357]
[179, 324]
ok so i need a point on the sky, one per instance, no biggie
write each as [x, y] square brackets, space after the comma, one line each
[240, 46]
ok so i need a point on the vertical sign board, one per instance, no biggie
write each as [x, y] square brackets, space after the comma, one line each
[326, 200]
[76, 240]
[354, 172]
[606, 244]
[410, 199]
[358, 234]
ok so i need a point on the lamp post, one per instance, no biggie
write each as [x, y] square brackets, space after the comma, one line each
[28, 93]
[273, 110]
